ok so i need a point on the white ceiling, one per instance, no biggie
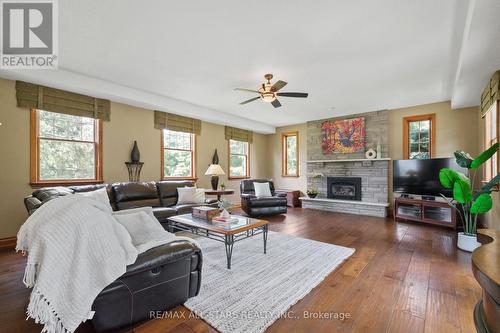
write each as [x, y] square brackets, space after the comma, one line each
[356, 56]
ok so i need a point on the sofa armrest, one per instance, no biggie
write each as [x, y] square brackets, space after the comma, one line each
[247, 196]
[164, 254]
[210, 201]
[280, 194]
[32, 204]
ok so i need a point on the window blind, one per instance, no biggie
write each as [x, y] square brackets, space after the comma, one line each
[174, 122]
[238, 134]
[491, 93]
[34, 96]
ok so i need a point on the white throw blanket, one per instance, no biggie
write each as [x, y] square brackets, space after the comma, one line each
[75, 249]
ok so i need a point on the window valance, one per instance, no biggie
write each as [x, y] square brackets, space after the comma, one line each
[491, 93]
[34, 96]
[174, 122]
[238, 134]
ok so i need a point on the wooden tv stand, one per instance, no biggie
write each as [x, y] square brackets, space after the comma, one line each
[425, 211]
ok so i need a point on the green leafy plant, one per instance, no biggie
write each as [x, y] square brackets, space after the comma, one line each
[313, 190]
[466, 201]
[222, 186]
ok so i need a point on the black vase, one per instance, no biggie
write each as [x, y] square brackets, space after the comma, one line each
[135, 155]
[215, 158]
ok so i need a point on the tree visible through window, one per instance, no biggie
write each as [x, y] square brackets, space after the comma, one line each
[65, 148]
[238, 159]
[178, 154]
[419, 137]
[290, 154]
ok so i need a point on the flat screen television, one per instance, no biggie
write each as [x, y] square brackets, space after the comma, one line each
[421, 177]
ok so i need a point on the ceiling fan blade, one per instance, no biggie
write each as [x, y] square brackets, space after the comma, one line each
[293, 94]
[278, 85]
[276, 103]
[248, 90]
[250, 100]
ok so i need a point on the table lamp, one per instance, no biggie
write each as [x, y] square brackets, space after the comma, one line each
[215, 171]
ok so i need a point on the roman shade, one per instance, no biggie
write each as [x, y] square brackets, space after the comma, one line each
[233, 133]
[34, 96]
[174, 122]
[491, 93]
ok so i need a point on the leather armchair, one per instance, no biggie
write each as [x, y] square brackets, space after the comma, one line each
[160, 279]
[261, 206]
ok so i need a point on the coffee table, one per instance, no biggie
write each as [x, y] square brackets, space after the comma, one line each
[227, 233]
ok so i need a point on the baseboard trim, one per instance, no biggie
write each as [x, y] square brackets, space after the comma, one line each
[8, 243]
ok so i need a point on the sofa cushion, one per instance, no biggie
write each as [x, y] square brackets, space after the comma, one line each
[186, 208]
[163, 213]
[267, 202]
[135, 194]
[167, 190]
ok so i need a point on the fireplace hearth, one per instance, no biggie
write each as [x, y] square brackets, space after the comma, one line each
[344, 188]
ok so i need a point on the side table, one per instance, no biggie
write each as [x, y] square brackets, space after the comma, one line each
[219, 193]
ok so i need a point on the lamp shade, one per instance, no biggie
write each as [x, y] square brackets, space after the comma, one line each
[214, 170]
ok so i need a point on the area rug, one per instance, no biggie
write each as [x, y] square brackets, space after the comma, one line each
[260, 288]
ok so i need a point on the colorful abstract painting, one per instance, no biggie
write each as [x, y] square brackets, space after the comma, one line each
[343, 136]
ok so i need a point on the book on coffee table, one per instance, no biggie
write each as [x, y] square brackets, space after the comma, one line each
[226, 220]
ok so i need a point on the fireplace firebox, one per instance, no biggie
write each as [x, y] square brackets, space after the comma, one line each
[344, 188]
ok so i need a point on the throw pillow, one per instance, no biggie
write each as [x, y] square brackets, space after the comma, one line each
[186, 195]
[147, 210]
[200, 195]
[146, 232]
[262, 189]
[100, 195]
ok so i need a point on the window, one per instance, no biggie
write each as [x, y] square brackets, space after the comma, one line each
[290, 154]
[419, 136]
[178, 160]
[65, 148]
[238, 159]
[491, 137]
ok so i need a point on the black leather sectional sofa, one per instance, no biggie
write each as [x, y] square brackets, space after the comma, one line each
[162, 277]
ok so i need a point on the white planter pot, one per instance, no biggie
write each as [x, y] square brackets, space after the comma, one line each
[467, 243]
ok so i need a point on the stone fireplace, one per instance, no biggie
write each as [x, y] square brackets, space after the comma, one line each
[349, 182]
[344, 188]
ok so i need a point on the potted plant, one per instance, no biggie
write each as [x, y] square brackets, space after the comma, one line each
[469, 203]
[222, 186]
[312, 192]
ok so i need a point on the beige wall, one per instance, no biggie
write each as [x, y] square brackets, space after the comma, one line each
[127, 124]
[15, 160]
[275, 163]
[455, 129]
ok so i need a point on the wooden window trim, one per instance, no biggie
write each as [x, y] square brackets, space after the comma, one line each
[406, 133]
[35, 157]
[284, 155]
[193, 159]
[247, 176]
[484, 180]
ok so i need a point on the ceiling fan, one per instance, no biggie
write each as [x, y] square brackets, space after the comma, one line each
[268, 92]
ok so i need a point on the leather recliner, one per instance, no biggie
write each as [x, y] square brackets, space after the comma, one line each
[261, 206]
[161, 278]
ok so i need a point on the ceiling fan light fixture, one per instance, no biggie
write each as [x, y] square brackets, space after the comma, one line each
[268, 97]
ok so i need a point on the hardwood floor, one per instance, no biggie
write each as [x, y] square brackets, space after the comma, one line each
[403, 278]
